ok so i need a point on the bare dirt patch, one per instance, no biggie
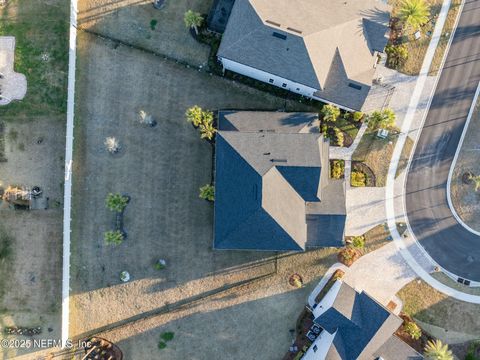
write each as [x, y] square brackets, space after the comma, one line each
[464, 197]
[131, 22]
[162, 168]
[31, 282]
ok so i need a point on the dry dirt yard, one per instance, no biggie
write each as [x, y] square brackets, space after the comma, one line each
[30, 284]
[162, 169]
[464, 197]
[31, 272]
[138, 23]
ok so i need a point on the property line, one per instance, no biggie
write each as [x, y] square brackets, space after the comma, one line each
[454, 162]
[67, 195]
[414, 101]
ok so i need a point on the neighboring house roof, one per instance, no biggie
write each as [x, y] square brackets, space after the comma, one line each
[317, 43]
[363, 328]
[271, 176]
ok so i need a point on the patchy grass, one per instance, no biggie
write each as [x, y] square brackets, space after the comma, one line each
[428, 305]
[404, 156]
[41, 32]
[418, 48]
[447, 30]
[376, 153]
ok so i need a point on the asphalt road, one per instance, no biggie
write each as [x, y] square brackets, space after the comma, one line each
[432, 222]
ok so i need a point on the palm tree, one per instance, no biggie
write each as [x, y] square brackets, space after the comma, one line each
[414, 13]
[113, 237]
[116, 202]
[207, 192]
[383, 119]
[436, 350]
[193, 20]
[194, 115]
[207, 131]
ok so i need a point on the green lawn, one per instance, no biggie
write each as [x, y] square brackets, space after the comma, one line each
[41, 31]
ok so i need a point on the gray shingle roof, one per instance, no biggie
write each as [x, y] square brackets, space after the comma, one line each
[264, 181]
[321, 43]
[361, 324]
[396, 349]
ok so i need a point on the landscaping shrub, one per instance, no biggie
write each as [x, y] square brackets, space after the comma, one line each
[358, 179]
[338, 274]
[397, 55]
[113, 237]
[358, 242]
[194, 115]
[337, 169]
[153, 24]
[348, 255]
[207, 192]
[339, 137]
[167, 336]
[330, 113]
[116, 202]
[412, 329]
[357, 116]
[162, 345]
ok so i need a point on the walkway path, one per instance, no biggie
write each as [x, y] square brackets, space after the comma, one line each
[13, 86]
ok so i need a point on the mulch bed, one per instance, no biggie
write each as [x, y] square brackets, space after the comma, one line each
[419, 344]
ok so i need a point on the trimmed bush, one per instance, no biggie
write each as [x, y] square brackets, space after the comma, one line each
[337, 169]
[162, 345]
[357, 116]
[358, 242]
[330, 113]
[358, 179]
[348, 255]
[339, 137]
[167, 336]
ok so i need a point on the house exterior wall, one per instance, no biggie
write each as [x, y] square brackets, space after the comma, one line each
[267, 77]
[277, 81]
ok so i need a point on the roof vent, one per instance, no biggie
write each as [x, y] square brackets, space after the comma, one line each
[354, 86]
[280, 36]
[279, 160]
[294, 30]
[272, 23]
[266, 153]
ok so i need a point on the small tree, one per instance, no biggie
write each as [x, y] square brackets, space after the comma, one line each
[113, 237]
[383, 119]
[396, 55]
[193, 20]
[330, 113]
[436, 350]
[412, 329]
[194, 115]
[207, 192]
[414, 13]
[112, 145]
[116, 202]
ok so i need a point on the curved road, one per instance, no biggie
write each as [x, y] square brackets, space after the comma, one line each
[448, 243]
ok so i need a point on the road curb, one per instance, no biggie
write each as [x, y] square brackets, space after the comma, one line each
[454, 162]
